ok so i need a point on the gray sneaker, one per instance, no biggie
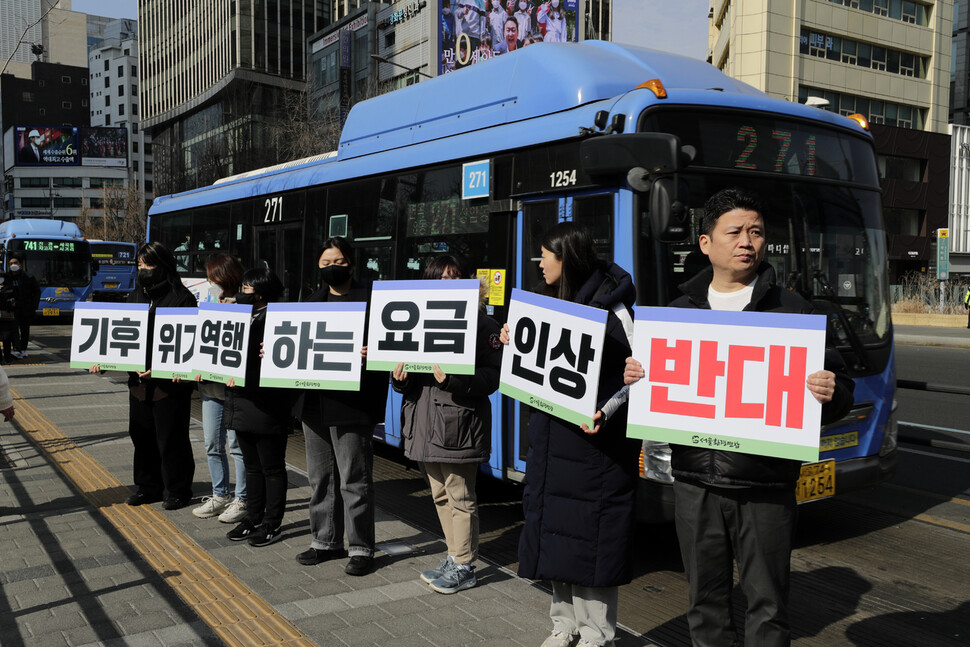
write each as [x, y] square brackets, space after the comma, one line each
[430, 576]
[234, 512]
[560, 639]
[211, 506]
[457, 577]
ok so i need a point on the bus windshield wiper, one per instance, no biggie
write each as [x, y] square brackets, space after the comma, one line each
[862, 356]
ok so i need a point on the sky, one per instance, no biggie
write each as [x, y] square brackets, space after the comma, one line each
[678, 26]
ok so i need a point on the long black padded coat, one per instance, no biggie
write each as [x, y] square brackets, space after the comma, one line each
[579, 491]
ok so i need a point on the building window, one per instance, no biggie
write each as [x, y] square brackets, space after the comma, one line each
[134, 147]
[66, 80]
[134, 165]
[134, 70]
[107, 100]
[107, 65]
[107, 81]
[121, 90]
[876, 57]
[107, 120]
[42, 111]
[389, 40]
[96, 203]
[148, 167]
[84, 81]
[121, 109]
[35, 202]
[42, 83]
[121, 71]
[127, 52]
[28, 97]
[67, 203]
[134, 109]
[903, 222]
[148, 186]
[34, 182]
[134, 90]
[68, 181]
[134, 128]
[880, 7]
[66, 105]
[148, 148]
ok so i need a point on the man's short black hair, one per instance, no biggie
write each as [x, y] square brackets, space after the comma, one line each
[728, 200]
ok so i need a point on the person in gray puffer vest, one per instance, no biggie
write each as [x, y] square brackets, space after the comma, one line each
[446, 424]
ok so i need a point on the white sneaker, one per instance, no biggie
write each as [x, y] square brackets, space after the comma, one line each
[211, 506]
[234, 512]
[19, 354]
[560, 639]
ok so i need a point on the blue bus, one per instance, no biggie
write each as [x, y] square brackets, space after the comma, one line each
[116, 270]
[628, 142]
[57, 255]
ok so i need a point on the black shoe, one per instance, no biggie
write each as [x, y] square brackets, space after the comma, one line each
[264, 536]
[141, 498]
[176, 502]
[313, 556]
[242, 531]
[359, 565]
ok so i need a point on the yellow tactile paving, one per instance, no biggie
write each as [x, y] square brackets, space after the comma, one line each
[234, 612]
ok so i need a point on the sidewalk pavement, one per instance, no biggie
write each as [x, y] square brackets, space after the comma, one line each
[932, 336]
[82, 568]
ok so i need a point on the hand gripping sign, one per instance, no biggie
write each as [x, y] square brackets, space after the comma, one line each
[313, 345]
[552, 362]
[423, 323]
[221, 342]
[173, 346]
[111, 335]
[733, 381]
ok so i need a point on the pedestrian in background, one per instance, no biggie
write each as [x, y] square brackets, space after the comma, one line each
[26, 294]
[225, 273]
[261, 419]
[580, 482]
[446, 425]
[966, 304]
[339, 429]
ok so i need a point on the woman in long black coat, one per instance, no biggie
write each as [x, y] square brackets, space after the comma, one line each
[580, 483]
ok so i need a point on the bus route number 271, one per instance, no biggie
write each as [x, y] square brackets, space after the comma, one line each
[274, 209]
[559, 179]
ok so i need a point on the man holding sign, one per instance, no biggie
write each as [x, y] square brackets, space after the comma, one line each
[726, 502]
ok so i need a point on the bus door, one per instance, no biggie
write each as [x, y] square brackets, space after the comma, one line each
[593, 210]
[280, 248]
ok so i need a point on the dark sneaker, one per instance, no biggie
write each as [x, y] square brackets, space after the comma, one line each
[242, 531]
[264, 536]
[359, 565]
[141, 498]
[176, 502]
[313, 556]
[430, 576]
[456, 578]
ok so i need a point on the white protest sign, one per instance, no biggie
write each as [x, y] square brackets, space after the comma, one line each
[733, 381]
[173, 345]
[313, 345]
[112, 335]
[221, 342]
[423, 323]
[553, 358]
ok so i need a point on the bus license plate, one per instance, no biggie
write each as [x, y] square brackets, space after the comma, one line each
[817, 481]
[839, 441]
[110, 286]
[52, 312]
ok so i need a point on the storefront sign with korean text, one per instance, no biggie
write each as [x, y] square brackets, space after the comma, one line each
[313, 345]
[112, 335]
[423, 323]
[173, 345]
[552, 361]
[221, 341]
[733, 381]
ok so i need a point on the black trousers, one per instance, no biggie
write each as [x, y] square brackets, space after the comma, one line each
[754, 525]
[163, 463]
[23, 322]
[264, 455]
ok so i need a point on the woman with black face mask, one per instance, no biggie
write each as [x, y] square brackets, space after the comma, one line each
[159, 410]
[339, 426]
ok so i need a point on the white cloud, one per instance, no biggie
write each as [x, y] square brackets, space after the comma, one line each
[678, 26]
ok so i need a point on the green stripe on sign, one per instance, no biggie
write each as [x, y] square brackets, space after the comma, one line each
[110, 366]
[545, 406]
[218, 377]
[186, 376]
[291, 383]
[423, 367]
[725, 443]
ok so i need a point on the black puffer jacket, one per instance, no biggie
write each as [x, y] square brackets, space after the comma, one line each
[451, 422]
[579, 488]
[715, 467]
[252, 408]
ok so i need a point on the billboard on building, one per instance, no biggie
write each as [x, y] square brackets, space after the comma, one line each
[472, 31]
[46, 146]
[104, 147]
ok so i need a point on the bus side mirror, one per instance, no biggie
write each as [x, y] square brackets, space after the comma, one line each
[95, 266]
[669, 215]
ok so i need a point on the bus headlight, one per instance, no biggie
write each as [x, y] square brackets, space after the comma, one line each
[655, 462]
[890, 437]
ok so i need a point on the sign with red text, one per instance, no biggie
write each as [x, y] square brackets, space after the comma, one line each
[112, 335]
[173, 346]
[313, 345]
[734, 381]
[423, 323]
[552, 361]
[221, 342]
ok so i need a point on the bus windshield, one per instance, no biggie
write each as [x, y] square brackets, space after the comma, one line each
[55, 263]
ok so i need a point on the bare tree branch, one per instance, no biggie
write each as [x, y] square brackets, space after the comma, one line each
[20, 41]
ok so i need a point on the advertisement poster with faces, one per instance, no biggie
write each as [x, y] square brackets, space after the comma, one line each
[733, 381]
[112, 335]
[173, 343]
[552, 362]
[221, 342]
[313, 345]
[423, 323]
[473, 31]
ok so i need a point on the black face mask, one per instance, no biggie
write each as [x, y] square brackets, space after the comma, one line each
[335, 274]
[246, 299]
[150, 278]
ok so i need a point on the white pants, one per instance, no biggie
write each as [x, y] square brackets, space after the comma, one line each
[589, 611]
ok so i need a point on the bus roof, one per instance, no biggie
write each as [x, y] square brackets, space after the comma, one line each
[39, 227]
[560, 85]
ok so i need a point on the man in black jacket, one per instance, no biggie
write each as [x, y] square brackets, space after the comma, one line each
[27, 295]
[732, 504]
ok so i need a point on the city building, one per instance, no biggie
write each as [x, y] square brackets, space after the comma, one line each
[217, 79]
[959, 234]
[888, 60]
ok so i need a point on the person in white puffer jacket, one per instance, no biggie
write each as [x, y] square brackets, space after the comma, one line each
[6, 400]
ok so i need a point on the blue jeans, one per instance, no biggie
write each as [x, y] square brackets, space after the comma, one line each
[215, 436]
